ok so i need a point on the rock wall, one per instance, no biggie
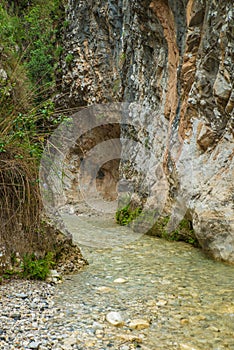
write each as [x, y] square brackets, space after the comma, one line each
[175, 59]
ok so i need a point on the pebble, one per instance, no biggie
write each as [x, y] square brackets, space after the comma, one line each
[68, 342]
[120, 280]
[139, 324]
[97, 325]
[90, 344]
[184, 321]
[104, 289]
[161, 303]
[21, 295]
[125, 347]
[131, 338]
[187, 347]
[34, 345]
[115, 318]
[54, 277]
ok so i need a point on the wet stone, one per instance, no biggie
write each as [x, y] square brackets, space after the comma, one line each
[139, 324]
[115, 318]
[120, 280]
[104, 289]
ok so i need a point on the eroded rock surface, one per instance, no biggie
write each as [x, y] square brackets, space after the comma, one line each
[174, 58]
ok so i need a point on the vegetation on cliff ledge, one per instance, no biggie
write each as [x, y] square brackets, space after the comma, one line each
[29, 52]
[155, 225]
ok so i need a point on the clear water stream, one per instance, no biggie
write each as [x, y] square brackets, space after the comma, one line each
[187, 298]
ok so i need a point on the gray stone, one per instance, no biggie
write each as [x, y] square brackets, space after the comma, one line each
[34, 345]
[21, 295]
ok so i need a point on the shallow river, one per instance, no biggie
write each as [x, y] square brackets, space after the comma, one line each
[187, 299]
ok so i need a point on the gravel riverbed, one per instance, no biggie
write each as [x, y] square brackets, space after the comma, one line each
[148, 294]
[26, 308]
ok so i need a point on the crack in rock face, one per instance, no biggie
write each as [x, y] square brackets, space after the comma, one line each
[175, 59]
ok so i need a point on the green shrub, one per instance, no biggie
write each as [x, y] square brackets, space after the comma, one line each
[38, 269]
[125, 215]
[29, 35]
[10, 28]
[8, 274]
[184, 231]
[69, 58]
[30, 32]
[39, 41]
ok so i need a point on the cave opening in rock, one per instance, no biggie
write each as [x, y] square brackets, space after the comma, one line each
[92, 164]
[107, 180]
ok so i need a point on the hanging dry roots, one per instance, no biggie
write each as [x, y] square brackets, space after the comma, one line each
[20, 204]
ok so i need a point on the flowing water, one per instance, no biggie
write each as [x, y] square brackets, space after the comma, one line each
[187, 299]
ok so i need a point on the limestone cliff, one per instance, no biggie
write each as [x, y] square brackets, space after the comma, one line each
[174, 58]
